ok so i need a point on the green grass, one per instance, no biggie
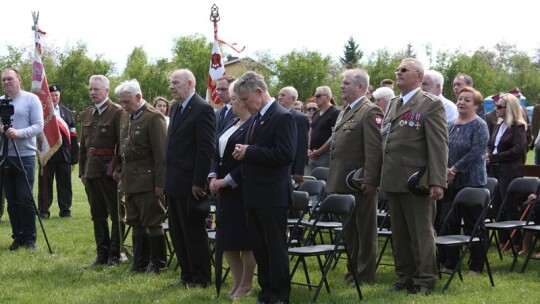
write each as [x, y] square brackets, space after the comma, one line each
[38, 277]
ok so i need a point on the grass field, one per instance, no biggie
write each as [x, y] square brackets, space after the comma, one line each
[39, 277]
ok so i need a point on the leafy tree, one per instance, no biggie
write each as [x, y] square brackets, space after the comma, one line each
[193, 52]
[351, 54]
[305, 70]
[153, 77]
[381, 65]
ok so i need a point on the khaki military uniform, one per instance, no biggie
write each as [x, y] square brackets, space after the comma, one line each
[142, 151]
[357, 144]
[100, 136]
[414, 137]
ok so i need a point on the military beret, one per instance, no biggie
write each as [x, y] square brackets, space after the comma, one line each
[54, 88]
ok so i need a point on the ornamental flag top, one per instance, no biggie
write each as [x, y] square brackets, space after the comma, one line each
[217, 68]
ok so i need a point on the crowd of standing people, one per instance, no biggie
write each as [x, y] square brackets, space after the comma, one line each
[169, 158]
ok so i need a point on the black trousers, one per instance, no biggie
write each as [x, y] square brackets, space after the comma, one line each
[62, 172]
[268, 232]
[190, 241]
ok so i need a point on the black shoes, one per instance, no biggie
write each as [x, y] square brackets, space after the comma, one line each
[154, 268]
[65, 214]
[14, 246]
[397, 287]
[113, 261]
[198, 285]
[100, 261]
[184, 283]
[30, 246]
[45, 216]
[417, 289]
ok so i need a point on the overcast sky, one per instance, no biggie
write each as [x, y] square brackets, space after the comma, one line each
[114, 27]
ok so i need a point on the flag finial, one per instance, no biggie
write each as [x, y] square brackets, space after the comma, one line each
[214, 13]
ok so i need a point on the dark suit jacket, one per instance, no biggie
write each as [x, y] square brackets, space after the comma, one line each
[302, 129]
[266, 167]
[69, 151]
[535, 123]
[228, 164]
[223, 125]
[510, 149]
[190, 144]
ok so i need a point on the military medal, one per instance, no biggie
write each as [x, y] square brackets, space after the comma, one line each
[414, 118]
[418, 115]
[402, 122]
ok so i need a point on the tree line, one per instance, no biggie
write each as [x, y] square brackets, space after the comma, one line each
[501, 68]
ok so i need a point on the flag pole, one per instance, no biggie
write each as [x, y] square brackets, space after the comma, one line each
[39, 81]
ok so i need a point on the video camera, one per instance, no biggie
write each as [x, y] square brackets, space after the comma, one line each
[6, 110]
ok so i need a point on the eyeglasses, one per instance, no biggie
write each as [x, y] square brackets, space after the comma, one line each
[221, 89]
[403, 70]
[311, 109]
[500, 107]
[319, 95]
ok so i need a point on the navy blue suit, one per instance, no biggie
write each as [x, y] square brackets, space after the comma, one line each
[224, 124]
[231, 222]
[268, 189]
[190, 144]
[302, 130]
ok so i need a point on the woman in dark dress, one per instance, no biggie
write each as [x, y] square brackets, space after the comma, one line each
[225, 181]
[468, 137]
[505, 156]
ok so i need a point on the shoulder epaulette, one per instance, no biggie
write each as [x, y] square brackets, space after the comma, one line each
[430, 96]
[116, 105]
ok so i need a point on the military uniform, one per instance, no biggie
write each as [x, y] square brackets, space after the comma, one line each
[100, 136]
[357, 144]
[414, 137]
[142, 150]
[60, 165]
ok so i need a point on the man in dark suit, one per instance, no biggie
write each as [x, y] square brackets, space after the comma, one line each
[190, 144]
[60, 163]
[357, 144]
[287, 96]
[461, 80]
[141, 176]
[415, 138]
[225, 115]
[267, 156]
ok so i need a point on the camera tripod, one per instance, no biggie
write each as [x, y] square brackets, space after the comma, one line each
[8, 164]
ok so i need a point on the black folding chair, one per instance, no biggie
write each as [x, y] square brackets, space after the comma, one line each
[493, 186]
[337, 205]
[297, 212]
[467, 197]
[384, 232]
[320, 173]
[535, 230]
[519, 189]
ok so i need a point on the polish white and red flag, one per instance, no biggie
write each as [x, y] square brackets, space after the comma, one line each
[49, 141]
[217, 69]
